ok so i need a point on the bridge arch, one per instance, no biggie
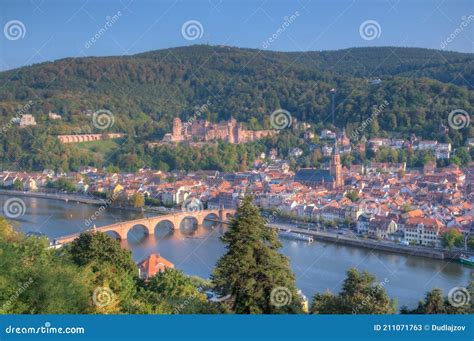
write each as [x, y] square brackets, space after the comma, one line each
[211, 220]
[189, 223]
[138, 232]
[114, 234]
[164, 228]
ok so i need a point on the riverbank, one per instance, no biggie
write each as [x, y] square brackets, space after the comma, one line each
[83, 199]
[375, 244]
[55, 196]
[317, 235]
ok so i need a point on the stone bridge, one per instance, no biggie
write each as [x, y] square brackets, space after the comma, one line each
[149, 224]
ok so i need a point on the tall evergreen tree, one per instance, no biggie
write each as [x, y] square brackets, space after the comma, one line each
[255, 275]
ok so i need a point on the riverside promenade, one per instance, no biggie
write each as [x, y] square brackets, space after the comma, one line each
[379, 245]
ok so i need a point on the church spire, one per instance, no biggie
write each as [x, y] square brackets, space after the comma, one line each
[335, 168]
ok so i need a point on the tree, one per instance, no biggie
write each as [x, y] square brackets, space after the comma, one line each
[137, 200]
[435, 303]
[99, 248]
[178, 294]
[360, 294]
[432, 304]
[452, 238]
[62, 184]
[257, 277]
[37, 280]
[352, 195]
[114, 269]
[18, 185]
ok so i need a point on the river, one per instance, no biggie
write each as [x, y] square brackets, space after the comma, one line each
[318, 266]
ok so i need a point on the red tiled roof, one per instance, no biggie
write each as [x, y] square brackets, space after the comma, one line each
[153, 264]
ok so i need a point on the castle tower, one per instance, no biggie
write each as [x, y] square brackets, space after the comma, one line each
[177, 130]
[232, 130]
[335, 168]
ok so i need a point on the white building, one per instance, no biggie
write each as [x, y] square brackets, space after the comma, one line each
[327, 134]
[443, 151]
[423, 231]
[27, 120]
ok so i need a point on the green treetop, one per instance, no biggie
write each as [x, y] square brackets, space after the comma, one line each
[360, 294]
[256, 276]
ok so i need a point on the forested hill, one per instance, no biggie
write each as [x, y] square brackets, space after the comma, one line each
[145, 91]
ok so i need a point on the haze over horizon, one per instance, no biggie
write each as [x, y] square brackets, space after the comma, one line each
[50, 30]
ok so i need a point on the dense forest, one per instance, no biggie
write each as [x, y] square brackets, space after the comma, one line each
[145, 91]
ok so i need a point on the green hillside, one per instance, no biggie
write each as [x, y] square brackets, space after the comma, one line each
[145, 91]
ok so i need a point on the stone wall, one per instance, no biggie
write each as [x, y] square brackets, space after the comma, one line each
[87, 137]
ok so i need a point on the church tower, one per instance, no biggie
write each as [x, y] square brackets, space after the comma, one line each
[335, 168]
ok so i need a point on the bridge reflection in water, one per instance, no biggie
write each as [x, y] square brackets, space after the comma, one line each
[186, 222]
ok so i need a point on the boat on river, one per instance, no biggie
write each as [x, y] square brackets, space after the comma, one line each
[296, 236]
[466, 260]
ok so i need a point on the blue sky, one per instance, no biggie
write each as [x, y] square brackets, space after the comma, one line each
[54, 29]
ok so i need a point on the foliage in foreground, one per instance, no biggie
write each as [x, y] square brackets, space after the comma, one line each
[92, 275]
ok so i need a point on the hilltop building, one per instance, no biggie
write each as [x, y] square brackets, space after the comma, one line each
[26, 120]
[200, 130]
[54, 116]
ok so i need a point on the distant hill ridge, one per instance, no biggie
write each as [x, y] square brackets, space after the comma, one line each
[420, 85]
